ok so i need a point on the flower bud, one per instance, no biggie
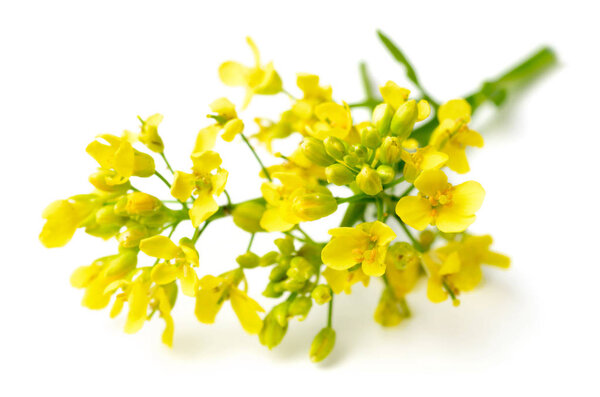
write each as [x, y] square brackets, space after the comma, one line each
[300, 307]
[300, 269]
[272, 332]
[278, 273]
[122, 263]
[131, 237]
[390, 150]
[293, 285]
[382, 117]
[143, 164]
[351, 159]
[404, 119]
[232, 128]
[273, 290]
[247, 216]
[334, 147]
[386, 173]
[339, 175]
[321, 294]
[369, 181]
[100, 181]
[139, 203]
[249, 260]
[322, 345]
[314, 150]
[360, 151]
[285, 245]
[370, 137]
[269, 258]
[313, 206]
[106, 216]
[388, 313]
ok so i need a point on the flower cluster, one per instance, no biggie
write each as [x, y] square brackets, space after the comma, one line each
[393, 165]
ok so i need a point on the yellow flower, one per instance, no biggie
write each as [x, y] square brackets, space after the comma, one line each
[456, 267]
[453, 135]
[426, 158]
[207, 180]
[334, 120]
[118, 155]
[215, 290]
[403, 266]
[366, 243]
[149, 133]
[343, 280]
[63, 217]
[451, 208]
[257, 79]
[227, 118]
[178, 262]
[294, 201]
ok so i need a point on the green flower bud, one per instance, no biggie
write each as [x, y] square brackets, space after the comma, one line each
[322, 345]
[339, 175]
[272, 332]
[352, 159]
[269, 258]
[249, 260]
[370, 137]
[314, 150]
[321, 294]
[247, 216]
[382, 117]
[280, 313]
[139, 203]
[386, 173]
[106, 216]
[360, 151]
[99, 180]
[334, 147]
[300, 269]
[300, 307]
[273, 290]
[122, 263]
[390, 150]
[313, 206]
[404, 119]
[143, 164]
[293, 285]
[278, 273]
[369, 181]
[285, 245]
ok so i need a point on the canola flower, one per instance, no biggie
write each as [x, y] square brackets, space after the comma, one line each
[395, 166]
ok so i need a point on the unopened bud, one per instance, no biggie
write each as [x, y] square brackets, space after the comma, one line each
[249, 260]
[247, 216]
[285, 245]
[382, 117]
[360, 151]
[314, 150]
[339, 175]
[334, 147]
[278, 273]
[313, 206]
[369, 181]
[131, 237]
[386, 173]
[404, 119]
[273, 290]
[139, 203]
[321, 294]
[143, 164]
[269, 258]
[351, 159]
[122, 263]
[370, 137]
[272, 332]
[231, 129]
[300, 307]
[390, 150]
[106, 216]
[300, 269]
[322, 345]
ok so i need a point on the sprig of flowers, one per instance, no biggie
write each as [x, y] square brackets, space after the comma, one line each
[393, 166]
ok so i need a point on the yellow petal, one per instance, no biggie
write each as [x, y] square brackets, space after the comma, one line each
[375, 268]
[468, 197]
[224, 108]
[431, 182]
[344, 252]
[455, 109]
[393, 94]
[336, 279]
[61, 223]
[435, 290]
[255, 51]
[457, 158]
[205, 162]
[272, 220]
[450, 221]
[189, 281]
[451, 264]
[496, 259]
[160, 247]
[206, 138]
[233, 74]
[218, 181]
[138, 307]
[433, 159]
[204, 206]
[183, 185]
[415, 211]
[423, 109]
[82, 276]
[207, 305]
[384, 233]
[246, 310]
[471, 138]
[124, 160]
[164, 273]
[468, 278]
[231, 129]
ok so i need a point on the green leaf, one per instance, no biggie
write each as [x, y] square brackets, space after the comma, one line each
[399, 56]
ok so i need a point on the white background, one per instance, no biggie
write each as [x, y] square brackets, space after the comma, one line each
[71, 70]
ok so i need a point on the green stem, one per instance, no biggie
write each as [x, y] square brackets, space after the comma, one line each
[228, 197]
[380, 212]
[167, 162]
[257, 158]
[330, 312]
[413, 240]
[198, 231]
[289, 94]
[310, 240]
[250, 242]
[162, 178]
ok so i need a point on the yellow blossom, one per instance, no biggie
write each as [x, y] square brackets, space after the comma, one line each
[257, 79]
[149, 133]
[179, 261]
[426, 158]
[227, 118]
[366, 243]
[453, 135]
[451, 208]
[206, 181]
[63, 217]
[215, 290]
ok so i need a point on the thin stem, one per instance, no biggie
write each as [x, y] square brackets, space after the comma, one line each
[173, 229]
[290, 95]
[228, 197]
[295, 237]
[380, 212]
[310, 240]
[198, 232]
[330, 312]
[162, 178]
[162, 154]
[250, 242]
[257, 158]
[393, 183]
[414, 241]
